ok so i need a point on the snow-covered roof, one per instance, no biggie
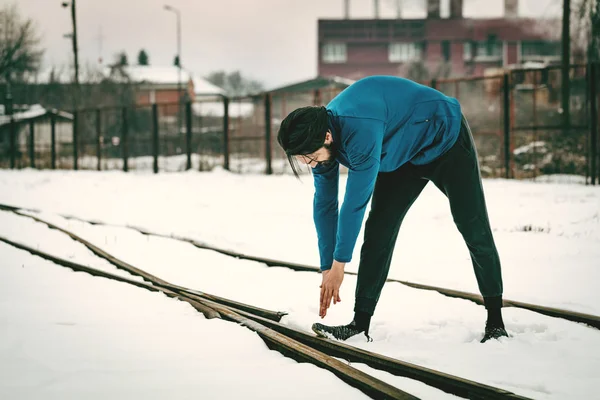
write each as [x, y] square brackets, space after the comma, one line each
[34, 111]
[204, 87]
[155, 74]
[166, 75]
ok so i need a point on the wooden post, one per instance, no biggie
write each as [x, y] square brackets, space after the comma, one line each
[125, 141]
[12, 142]
[155, 136]
[188, 134]
[32, 144]
[75, 141]
[594, 120]
[53, 141]
[506, 90]
[226, 133]
[99, 138]
[566, 60]
[268, 119]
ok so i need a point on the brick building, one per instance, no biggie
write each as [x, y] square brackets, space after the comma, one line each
[435, 46]
[156, 84]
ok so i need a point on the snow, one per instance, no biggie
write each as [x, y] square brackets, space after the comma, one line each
[548, 236]
[68, 335]
[34, 111]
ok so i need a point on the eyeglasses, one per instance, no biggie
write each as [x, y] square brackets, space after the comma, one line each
[309, 160]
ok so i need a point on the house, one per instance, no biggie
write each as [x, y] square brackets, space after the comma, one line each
[434, 47]
[41, 119]
[161, 85]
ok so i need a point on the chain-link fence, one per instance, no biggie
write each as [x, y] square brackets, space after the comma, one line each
[518, 119]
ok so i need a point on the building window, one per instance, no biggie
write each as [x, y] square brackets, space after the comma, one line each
[334, 53]
[446, 50]
[539, 50]
[405, 52]
[489, 50]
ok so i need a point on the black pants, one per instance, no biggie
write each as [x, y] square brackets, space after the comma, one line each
[456, 173]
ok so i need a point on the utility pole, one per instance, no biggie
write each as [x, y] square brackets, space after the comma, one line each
[566, 60]
[75, 48]
[66, 4]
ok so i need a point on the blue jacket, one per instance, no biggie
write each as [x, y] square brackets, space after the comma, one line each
[378, 124]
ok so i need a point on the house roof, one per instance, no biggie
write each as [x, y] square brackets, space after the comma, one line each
[318, 82]
[164, 76]
[35, 112]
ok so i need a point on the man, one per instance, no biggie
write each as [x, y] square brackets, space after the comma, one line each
[394, 136]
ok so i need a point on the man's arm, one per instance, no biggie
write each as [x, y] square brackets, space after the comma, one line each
[325, 210]
[361, 181]
[359, 188]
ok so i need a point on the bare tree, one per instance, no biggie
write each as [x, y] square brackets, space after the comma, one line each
[234, 83]
[20, 54]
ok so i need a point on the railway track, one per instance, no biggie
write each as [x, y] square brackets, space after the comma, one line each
[291, 342]
[574, 316]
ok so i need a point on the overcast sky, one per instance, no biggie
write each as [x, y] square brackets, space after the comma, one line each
[273, 41]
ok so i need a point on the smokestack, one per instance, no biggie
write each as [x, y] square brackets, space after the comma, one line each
[347, 9]
[399, 8]
[433, 8]
[456, 8]
[376, 7]
[511, 8]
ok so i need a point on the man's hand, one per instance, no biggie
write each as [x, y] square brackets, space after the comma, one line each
[330, 287]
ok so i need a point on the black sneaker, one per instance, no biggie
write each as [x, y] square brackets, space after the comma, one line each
[493, 332]
[340, 332]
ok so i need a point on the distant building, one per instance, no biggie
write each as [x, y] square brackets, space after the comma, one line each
[434, 47]
[154, 84]
[26, 116]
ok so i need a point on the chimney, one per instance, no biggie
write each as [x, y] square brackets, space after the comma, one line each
[399, 9]
[511, 8]
[456, 8]
[376, 8]
[347, 9]
[433, 8]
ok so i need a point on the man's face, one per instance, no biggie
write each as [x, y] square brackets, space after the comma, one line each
[321, 156]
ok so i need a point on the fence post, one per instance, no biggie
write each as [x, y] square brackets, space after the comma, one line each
[593, 119]
[125, 140]
[75, 141]
[155, 136]
[12, 142]
[226, 133]
[99, 138]
[268, 118]
[434, 83]
[53, 140]
[506, 90]
[32, 144]
[188, 134]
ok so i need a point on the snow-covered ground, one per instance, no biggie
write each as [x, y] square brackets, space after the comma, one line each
[548, 235]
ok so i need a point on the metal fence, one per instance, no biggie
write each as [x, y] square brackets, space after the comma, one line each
[516, 117]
